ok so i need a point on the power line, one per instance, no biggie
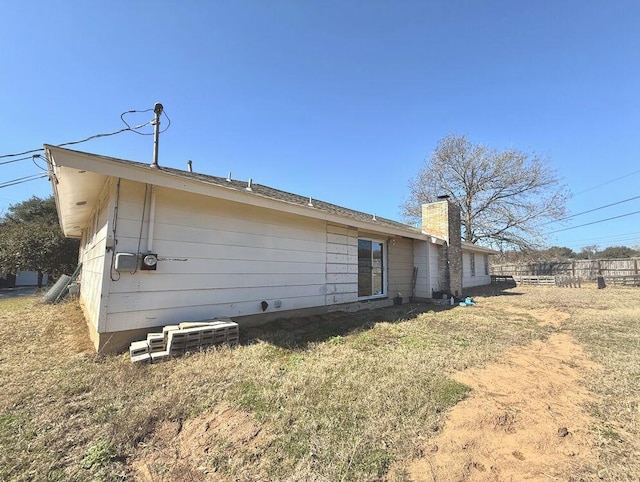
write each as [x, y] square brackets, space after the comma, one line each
[102, 135]
[607, 182]
[591, 210]
[14, 160]
[23, 179]
[611, 238]
[125, 129]
[594, 222]
[21, 154]
[44, 158]
[137, 127]
[31, 177]
[619, 238]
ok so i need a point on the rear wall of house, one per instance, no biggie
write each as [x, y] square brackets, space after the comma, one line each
[220, 258]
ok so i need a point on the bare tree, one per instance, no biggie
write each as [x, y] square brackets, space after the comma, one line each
[505, 196]
[589, 252]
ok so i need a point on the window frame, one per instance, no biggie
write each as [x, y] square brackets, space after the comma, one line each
[472, 265]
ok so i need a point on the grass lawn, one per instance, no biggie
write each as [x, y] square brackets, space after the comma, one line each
[338, 397]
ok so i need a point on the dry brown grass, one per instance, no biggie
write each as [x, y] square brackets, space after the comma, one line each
[338, 397]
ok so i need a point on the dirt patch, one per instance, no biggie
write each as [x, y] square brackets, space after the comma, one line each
[524, 420]
[546, 317]
[203, 448]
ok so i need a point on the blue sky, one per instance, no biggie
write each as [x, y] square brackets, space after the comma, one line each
[338, 100]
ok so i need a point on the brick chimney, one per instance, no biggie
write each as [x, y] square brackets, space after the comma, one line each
[442, 219]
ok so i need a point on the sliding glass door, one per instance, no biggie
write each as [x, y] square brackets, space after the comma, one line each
[371, 266]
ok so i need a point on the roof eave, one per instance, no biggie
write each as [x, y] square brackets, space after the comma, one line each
[118, 168]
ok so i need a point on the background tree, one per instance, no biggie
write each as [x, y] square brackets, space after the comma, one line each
[505, 196]
[556, 253]
[31, 240]
[589, 252]
[617, 252]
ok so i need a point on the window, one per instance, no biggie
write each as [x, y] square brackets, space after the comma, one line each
[486, 265]
[472, 264]
[371, 266]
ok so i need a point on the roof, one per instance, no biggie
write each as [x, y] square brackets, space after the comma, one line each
[478, 249]
[78, 177]
[278, 195]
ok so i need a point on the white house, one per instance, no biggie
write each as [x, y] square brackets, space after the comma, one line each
[161, 245]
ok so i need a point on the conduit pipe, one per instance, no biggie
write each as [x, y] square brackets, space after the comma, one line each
[152, 219]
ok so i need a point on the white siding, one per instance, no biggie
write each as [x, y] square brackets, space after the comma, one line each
[400, 267]
[222, 258]
[92, 255]
[480, 278]
[341, 264]
[219, 258]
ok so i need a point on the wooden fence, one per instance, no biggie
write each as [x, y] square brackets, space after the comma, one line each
[585, 269]
[508, 281]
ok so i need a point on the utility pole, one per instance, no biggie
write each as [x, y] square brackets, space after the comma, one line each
[157, 109]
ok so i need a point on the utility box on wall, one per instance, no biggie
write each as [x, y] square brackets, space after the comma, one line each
[126, 262]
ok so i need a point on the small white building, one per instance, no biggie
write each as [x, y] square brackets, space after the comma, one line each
[161, 245]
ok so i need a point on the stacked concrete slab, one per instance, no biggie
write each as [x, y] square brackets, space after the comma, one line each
[176, 340]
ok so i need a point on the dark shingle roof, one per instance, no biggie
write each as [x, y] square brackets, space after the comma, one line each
[278, 195]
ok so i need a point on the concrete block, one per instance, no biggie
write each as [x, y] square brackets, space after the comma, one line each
[160, 356]
[156, 346]
[223, 319]
[226, 324]
[155, 340]
[177, 335]
[138, 348]
[195, 324]
[142, 358]
[168, 328]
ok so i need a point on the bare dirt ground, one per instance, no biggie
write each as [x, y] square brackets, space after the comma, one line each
[221, 435]
[524, 419]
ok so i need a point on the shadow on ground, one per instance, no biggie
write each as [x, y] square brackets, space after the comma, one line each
[298, 333]
[20, 291]
[501, 289]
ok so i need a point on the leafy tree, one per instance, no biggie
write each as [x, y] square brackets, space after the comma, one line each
[617, 252]
[556, 253]
[31, 240]
[505, 196]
